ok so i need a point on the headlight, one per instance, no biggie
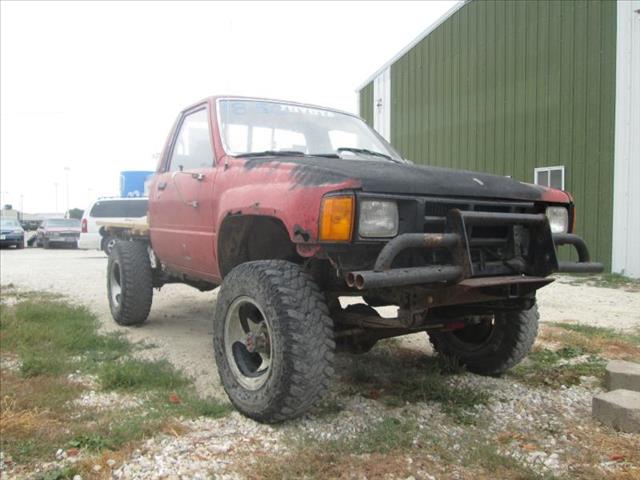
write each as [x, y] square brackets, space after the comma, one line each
[378, 218]
[558, 219]
[17, 231]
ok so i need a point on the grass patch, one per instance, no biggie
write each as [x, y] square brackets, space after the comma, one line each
[555, 368]
[423, 379]
[52, 337]
[391, 448]
[38, 415]
[604, 342]
[136, 375]
[606, 280]
[572, 351]
[601, 333]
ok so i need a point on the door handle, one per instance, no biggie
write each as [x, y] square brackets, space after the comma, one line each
[162, 185]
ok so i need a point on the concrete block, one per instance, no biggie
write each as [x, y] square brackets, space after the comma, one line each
[619, 409]
[622, 375]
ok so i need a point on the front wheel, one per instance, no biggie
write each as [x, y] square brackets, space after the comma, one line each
[273, 340]
[107, 245]
[129, 283]
[492, 344]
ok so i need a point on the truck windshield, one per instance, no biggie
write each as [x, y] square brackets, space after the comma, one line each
[255, 127]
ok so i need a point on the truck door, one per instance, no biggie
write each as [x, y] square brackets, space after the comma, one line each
[181, 210]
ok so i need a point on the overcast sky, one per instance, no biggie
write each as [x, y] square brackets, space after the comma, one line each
[95, 87]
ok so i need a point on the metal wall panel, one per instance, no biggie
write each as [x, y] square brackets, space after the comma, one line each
[508, 86]
[366, 104]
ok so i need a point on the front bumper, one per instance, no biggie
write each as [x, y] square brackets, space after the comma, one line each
[535, 259]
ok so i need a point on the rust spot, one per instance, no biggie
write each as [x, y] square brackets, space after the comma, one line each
[432, 240]
[300, 233]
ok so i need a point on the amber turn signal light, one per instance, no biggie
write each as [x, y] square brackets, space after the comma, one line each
[336, 218]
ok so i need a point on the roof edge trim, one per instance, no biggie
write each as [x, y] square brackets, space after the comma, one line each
[414, 42]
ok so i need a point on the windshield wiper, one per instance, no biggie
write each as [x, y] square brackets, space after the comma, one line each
[366, 152]
[272, 153]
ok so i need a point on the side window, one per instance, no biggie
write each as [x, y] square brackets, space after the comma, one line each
[552, 177]
[192, 148]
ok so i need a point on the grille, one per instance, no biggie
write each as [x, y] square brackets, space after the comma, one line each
[487, 244]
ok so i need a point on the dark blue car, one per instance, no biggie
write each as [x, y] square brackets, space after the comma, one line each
[11, 233]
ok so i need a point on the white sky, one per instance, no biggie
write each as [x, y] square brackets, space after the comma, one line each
[96, 86]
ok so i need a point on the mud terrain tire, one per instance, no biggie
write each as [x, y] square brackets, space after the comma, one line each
[289, 305]
[491, 351]
[129, 283]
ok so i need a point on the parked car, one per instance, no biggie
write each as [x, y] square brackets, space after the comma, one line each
[289, 207]
[11, 233]
[92, 235]
[61, 231]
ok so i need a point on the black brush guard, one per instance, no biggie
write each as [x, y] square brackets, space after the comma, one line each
[539, 260]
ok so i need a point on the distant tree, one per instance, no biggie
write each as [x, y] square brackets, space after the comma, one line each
[75, 213]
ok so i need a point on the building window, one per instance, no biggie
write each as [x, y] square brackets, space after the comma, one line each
[549, 177]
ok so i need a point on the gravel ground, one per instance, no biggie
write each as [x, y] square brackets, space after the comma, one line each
[542, 428]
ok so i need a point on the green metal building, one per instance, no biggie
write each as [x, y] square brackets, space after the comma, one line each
[543, 91]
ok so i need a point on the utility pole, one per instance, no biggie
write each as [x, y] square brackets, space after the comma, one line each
[66, 174]
[21, 206]
[55, 187]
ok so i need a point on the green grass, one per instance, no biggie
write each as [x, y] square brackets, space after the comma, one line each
[50, 336]
[387, 435]
[397, 377]
[606, 280]
[141, 375]
[52, 339]
[601, 332]
[554, 369]
[380, 451]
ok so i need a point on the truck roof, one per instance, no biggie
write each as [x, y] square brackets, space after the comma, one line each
[215, 98]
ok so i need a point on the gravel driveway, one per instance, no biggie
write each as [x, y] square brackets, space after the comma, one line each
[180, 326]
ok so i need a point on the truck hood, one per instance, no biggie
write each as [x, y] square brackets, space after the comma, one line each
[408, 179]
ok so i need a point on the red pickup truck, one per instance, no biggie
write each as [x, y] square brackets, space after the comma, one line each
[289, 207]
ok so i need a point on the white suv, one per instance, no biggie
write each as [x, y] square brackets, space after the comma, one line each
[92, 235]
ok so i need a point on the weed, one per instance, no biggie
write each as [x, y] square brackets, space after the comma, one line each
[606, 280]
[64, 473]
[545, 367]
[133, 374]
[422, 380]
[601, 333]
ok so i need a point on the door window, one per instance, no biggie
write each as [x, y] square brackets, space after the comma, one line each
[192, 148]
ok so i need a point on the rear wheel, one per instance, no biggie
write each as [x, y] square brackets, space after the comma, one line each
[129, 283]
[273, 340]
[493, 343]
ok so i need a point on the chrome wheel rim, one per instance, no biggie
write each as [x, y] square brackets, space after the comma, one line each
[114, 284]
[248, 343]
